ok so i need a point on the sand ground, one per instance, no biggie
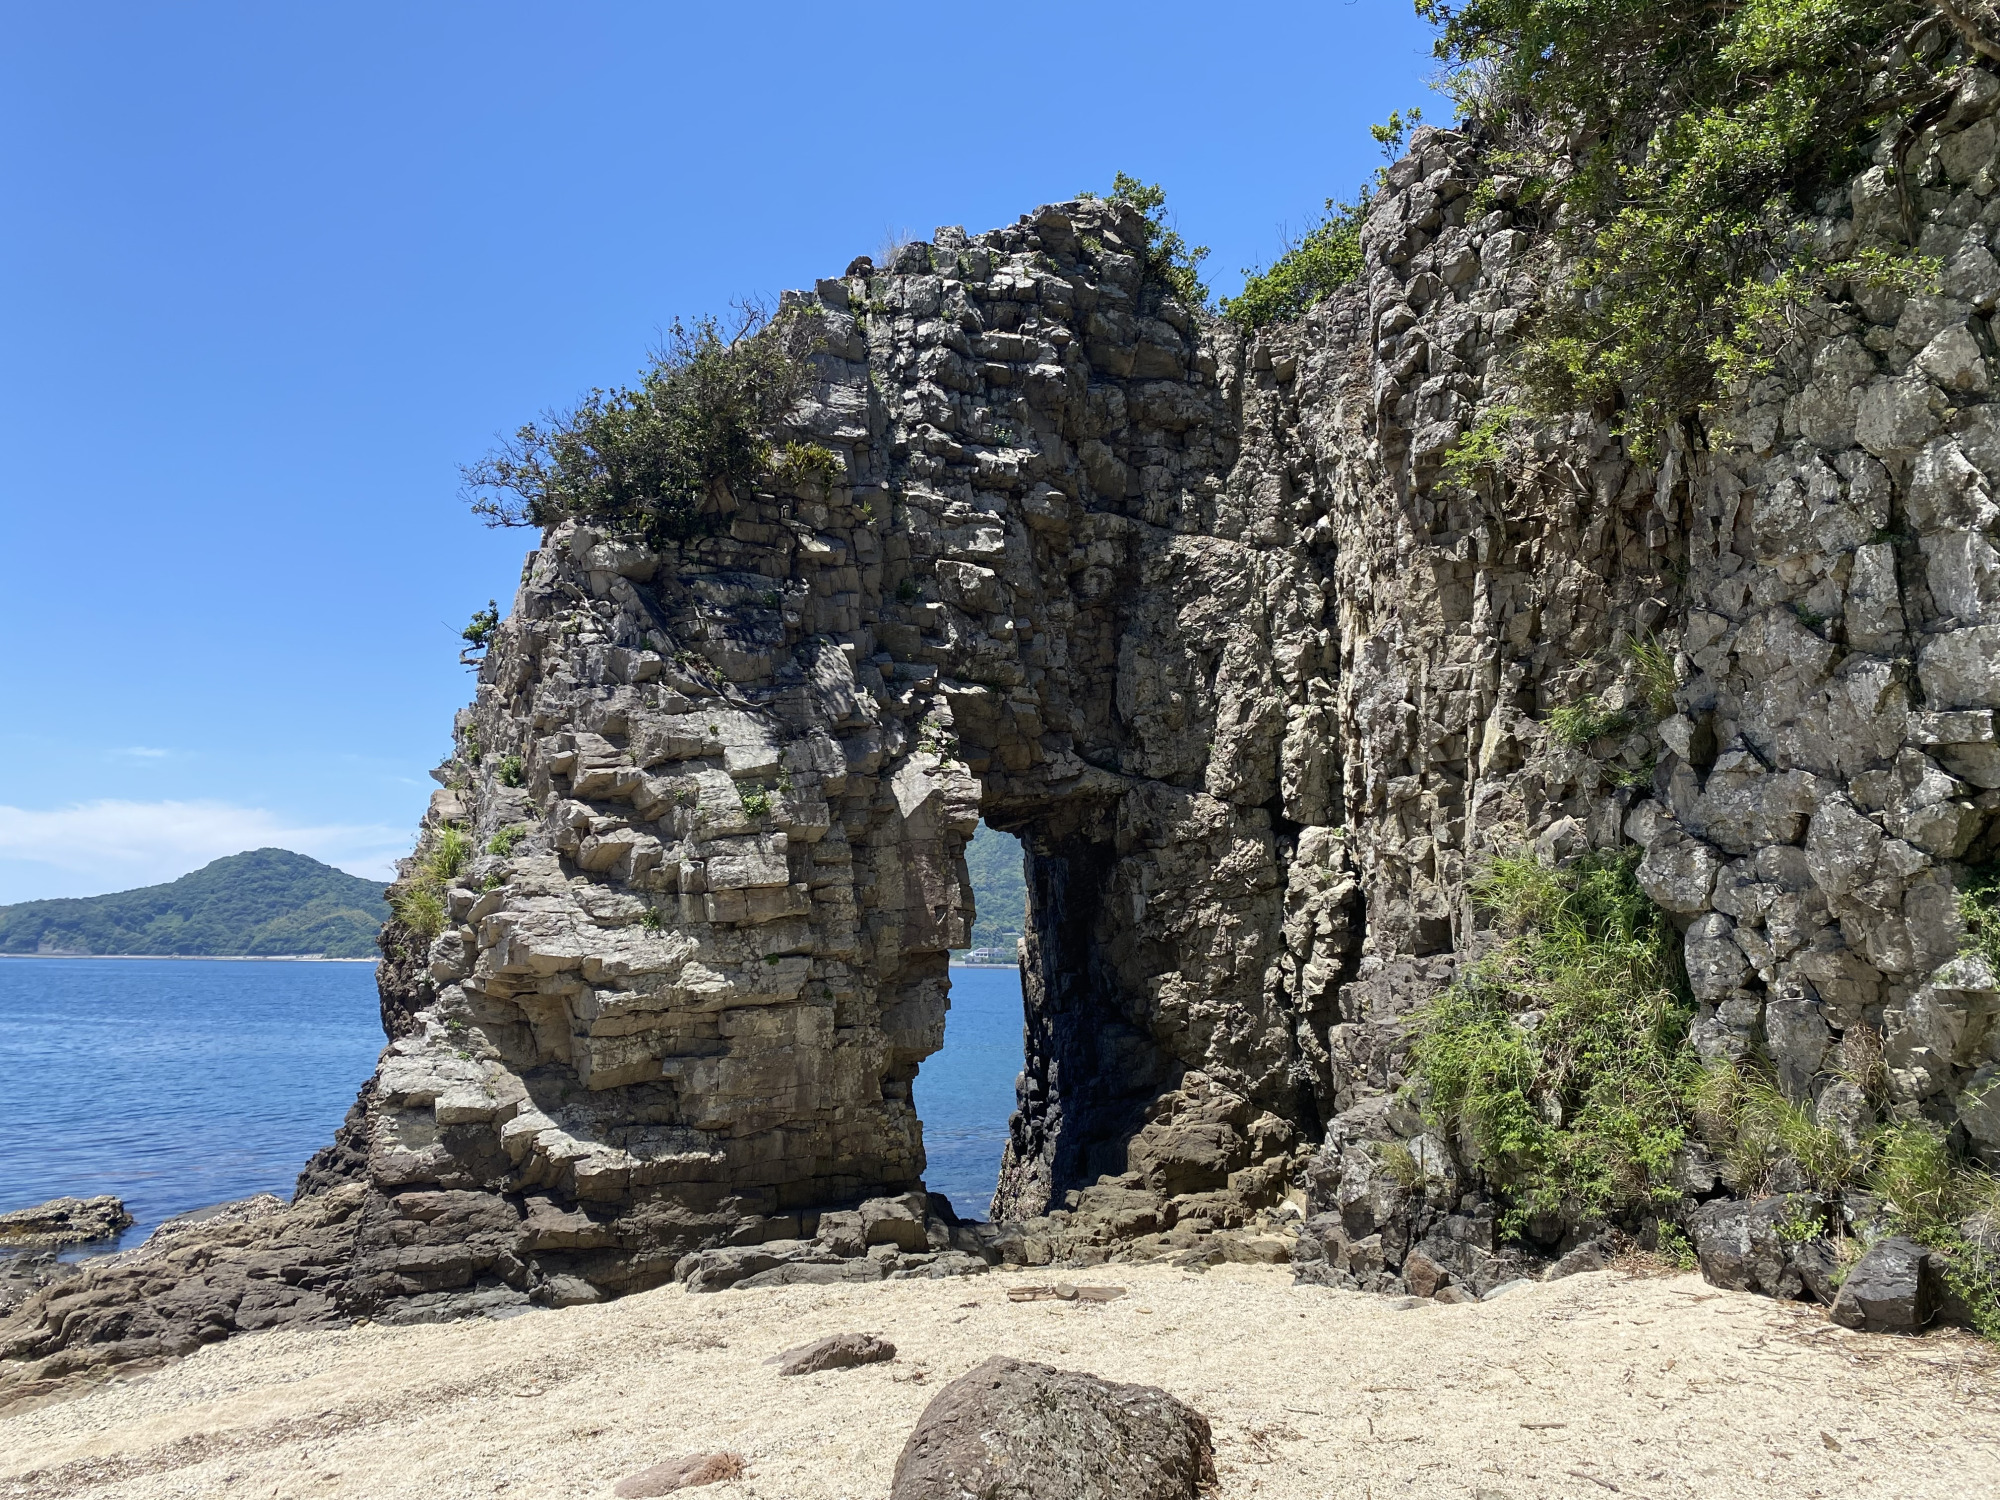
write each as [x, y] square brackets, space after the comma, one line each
[1607, 1384]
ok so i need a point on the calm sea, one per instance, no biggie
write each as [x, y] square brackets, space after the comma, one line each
[180, 1083]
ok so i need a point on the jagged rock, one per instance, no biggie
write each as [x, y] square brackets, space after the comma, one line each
[839, 1351]
[63, 1221]
[1010, 1430]
[1888, 1290]
[1750, 1245]
[1189, 610]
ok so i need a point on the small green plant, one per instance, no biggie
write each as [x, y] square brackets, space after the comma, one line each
[651, 919]
[798, 464]
[512, 770]
[1812, 619]
[645, 459]
[1170, 260]
[756, 799]
[1674, 1246]
[469, 748]
[417, 900]
[504, 842]
[1653, 665]
[771, 959]
[907, 591]
[1579, 724]
[784, 782]
[1561, 1058]
[1949, 1207]
[1481, 448]
[1979, 912]
[479, 634]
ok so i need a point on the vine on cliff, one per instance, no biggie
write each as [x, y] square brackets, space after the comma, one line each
[645, 460]
[1679, 152]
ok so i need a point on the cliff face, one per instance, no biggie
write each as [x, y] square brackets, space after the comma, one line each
[1196, 618]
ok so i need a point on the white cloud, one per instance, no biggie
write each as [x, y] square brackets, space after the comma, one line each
[110, 845]
[146, 752]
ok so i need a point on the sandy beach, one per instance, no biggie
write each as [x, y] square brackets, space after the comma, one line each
[1602, 1384]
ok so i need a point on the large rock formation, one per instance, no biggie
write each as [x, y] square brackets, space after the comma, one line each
[1193, 614]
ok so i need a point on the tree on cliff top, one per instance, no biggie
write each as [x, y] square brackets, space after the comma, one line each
[646, 459]
[1678, 152]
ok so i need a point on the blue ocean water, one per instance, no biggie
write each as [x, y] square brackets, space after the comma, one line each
[175, 1083]
[180, 1083]
[965, 1092]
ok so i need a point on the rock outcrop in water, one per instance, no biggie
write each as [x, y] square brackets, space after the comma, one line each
[1192, 614]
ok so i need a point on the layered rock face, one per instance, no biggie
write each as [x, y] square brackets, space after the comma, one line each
[1194, 615]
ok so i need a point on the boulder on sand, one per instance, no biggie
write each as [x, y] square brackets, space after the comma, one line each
[1010, 1430]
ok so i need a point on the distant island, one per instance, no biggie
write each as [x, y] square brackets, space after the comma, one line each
[999, 894]
[262, 903]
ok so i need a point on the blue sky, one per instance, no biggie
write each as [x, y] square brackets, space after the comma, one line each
[271, 272]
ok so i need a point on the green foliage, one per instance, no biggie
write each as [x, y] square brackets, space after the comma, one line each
[417, 900]
[1675, 1247]
[994, 863]
[1170, 260]
[1313, 267]
[798, 464]
[1578, 724]
[1392, 132]
[507, 839]
[651, 919]
[1653, 665]
[1979, 911]
[513, 771]
[1685, 147]
[265, 901]
[1754, 1128]
[1561, 1060]
[1949, 1207]
[645, 460]
[484, 623]
[756, 799]
[1480, 448]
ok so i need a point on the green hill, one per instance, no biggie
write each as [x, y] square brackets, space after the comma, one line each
[999, 889]
[268, 901]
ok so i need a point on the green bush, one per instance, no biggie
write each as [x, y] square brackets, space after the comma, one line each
[512, 770]
[417, 900]
[1480, 448]
[645, 460]
[1578, 724]
[1561, 1059]
[1170, 260]
[479, 634]
[756, 799]
[507, 839]
[1313, 267]
[1653, 665]
[1681, 151]
[1979, 911]
[1950, 1207]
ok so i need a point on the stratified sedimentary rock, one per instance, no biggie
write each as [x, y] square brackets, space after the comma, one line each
[62, 1222]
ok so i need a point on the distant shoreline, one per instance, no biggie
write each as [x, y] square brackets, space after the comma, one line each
[957, 965]
[208, 958]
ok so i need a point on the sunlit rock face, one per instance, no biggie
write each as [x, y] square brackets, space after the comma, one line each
[1196, 616]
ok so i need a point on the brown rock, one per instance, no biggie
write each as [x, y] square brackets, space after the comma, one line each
[1009, 1430]
[63, 1221]
[840, 1351]
[1422, 1275]
[681, 1474]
